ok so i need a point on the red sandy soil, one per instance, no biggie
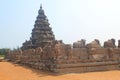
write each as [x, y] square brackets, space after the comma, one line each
[9, 71]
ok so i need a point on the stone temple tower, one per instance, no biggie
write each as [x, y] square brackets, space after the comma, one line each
[41, 33]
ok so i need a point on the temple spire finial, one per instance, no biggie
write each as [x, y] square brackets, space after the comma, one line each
[40, 6]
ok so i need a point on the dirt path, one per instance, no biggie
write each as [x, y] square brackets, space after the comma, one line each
[9, 71]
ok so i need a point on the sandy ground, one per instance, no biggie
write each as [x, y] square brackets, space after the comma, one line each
[9, 71]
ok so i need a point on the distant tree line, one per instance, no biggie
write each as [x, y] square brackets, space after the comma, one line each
[3, 51]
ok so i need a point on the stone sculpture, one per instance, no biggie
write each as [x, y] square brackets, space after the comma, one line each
[110, 43]
[79, 44]
[94, 44]
[118, 43]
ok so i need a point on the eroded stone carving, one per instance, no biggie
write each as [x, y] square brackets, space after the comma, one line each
[94, 44]
[118, 43]
[79, 44]
[110, 43]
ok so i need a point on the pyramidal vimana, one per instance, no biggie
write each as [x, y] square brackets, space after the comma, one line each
[44, 52]
[41, 34]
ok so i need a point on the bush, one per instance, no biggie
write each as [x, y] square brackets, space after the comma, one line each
[3, 52]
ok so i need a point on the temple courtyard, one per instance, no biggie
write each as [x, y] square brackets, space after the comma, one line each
[10, 71]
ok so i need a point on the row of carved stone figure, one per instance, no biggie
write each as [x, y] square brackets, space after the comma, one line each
[60, 51]
[95, 44]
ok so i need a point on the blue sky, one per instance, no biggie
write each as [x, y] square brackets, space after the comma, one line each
[71, 20]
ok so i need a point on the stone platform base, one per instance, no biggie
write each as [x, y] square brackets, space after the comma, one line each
[87, 67]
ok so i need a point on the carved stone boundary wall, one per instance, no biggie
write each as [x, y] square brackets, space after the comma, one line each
[59, 57]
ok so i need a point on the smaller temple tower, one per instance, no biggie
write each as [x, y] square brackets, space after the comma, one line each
[41, 33]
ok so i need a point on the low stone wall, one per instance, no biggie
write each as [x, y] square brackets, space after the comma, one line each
[63, 58]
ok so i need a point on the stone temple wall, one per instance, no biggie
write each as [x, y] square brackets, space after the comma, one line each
[63, 58]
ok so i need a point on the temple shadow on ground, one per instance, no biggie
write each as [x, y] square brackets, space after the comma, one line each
[40, 73]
